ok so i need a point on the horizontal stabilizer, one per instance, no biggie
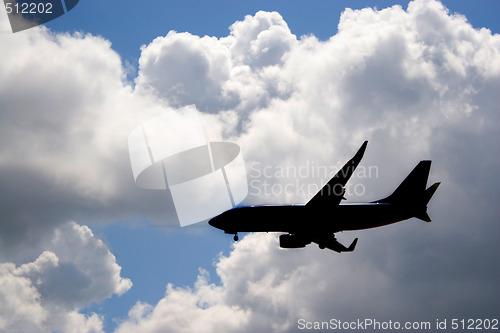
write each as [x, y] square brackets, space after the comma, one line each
[430, 192]
[423, 216]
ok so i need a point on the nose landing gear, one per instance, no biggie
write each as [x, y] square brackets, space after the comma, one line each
[235, 237]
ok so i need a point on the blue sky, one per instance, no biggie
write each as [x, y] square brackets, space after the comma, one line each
[156, 18]
[152, 256]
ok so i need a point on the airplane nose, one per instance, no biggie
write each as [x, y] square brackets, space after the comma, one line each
[213, 222]
[218, 222]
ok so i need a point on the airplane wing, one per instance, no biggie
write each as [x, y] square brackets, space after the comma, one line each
[332, 193]
[296, 240]
[330, 242]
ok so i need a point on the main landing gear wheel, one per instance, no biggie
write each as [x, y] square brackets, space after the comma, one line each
[235, 237]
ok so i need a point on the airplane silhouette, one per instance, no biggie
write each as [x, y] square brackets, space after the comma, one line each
[318, 220]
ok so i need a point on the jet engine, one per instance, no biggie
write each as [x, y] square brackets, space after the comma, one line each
[290, 241]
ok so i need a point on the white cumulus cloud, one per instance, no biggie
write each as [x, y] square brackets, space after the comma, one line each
[46, 295]
[419, 83]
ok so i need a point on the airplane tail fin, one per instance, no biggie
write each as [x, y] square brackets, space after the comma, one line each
[412, 191]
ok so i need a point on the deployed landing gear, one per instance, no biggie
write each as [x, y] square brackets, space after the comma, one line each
[235, 237]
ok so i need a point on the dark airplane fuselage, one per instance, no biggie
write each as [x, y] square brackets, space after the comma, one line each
[299, 218]
[323, 215]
